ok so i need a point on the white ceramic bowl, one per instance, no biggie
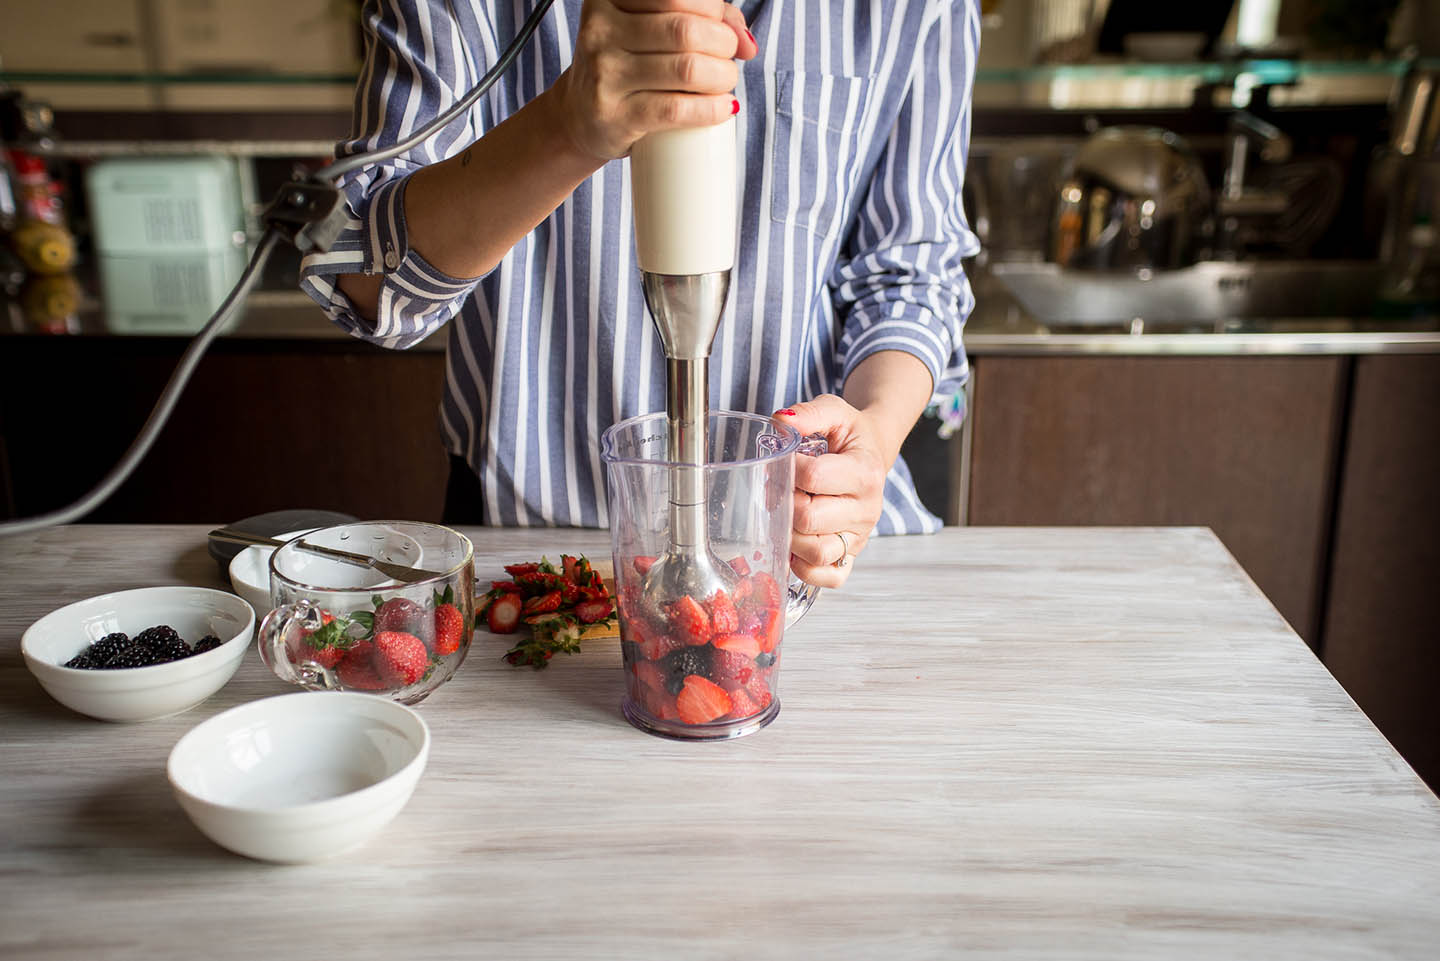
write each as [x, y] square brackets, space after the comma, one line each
[139, 693]
[250, 572]
[300, 777]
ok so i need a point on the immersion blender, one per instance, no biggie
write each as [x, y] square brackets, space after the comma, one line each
[683, 185]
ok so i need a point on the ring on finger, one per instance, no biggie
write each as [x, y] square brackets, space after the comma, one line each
[844, 560]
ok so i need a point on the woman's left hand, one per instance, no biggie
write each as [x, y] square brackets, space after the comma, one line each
[838, 495]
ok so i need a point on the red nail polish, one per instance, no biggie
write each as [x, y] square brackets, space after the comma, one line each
[752, 39]
[734, 107]
[787, 412]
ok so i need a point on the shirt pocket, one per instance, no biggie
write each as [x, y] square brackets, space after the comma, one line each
[815, 160]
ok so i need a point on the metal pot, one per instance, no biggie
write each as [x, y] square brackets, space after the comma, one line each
[1133, 198]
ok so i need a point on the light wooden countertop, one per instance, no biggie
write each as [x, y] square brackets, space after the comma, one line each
[1058, 743]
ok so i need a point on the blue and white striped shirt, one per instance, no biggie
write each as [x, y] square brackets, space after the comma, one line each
[855, 122]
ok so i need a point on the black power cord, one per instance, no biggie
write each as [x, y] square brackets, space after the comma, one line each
[310, 214]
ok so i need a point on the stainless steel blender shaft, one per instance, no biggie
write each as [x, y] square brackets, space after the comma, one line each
[686, 309]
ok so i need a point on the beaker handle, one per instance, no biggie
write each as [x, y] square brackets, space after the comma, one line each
[799, 595]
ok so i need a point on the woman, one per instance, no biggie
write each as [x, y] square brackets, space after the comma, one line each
[847, 298]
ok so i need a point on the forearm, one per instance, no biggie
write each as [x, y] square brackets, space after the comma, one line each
[464, 214]
[893, 388]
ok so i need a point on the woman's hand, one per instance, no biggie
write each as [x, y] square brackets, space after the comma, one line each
[647, 65]
[839, 495]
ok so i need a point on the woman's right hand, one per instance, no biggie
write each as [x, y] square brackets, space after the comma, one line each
[647, 65]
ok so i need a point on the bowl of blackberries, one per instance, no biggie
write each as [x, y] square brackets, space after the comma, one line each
[140, 654]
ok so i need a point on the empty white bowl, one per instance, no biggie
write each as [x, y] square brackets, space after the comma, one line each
[139, 693]
[300, 777]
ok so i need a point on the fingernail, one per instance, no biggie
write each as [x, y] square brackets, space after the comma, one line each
[787, 412]
[734, 107]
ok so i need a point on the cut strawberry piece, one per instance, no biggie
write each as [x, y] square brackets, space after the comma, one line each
[649, 674]
[740, 565]
[538, 582]
[731, 669]
[515, 570]
[766, 626]
[504, 615]
[724, 619]
[543, 603]
[701, 701]
[591, 611]
[659, 702]
[757, 592]
[742, 704]
[688, 621]
[653, 644]
[642, 564]
[742, 644]
[505, 587]
[568, 564]
[758, 691]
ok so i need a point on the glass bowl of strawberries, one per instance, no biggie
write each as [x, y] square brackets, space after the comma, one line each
[398, 626]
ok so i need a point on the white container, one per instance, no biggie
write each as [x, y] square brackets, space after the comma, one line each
[139, 693]
[300, 777]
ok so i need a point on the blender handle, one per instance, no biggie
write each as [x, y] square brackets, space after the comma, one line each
[799, 596]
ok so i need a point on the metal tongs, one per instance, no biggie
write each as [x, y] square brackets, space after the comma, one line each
[399, 572]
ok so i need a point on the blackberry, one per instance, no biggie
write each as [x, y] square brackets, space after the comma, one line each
[133, 656]
[764, 660]
[83, 660]
[207, 643]
[108, 646]
[164, 643]
[680, 664]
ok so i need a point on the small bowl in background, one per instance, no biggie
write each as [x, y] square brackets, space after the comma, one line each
[299, 777]
[139, 693]
[250, 572]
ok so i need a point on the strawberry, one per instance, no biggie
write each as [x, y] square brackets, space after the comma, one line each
[766, 627]
[701, 701]
[742, 644]
[742, 704]
[689, 622]
[757, 592]
[325, 645]
[398, 614]
[543, 603]
[538, 582]
[642, 564]
[567, 566]
[515, 570]
[505, 587]
[723, 617]
[400, 658]
[590, 611]
[758, 691]
[731, 670]
[653, 644]
[649, 674]
[449, 629]
[504, 614]
[740, 565]
[357, 668]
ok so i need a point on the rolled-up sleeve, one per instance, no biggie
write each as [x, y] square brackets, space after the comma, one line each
[900, 283]
[416, 66]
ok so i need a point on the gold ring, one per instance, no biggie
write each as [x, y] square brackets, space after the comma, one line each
[844, 551]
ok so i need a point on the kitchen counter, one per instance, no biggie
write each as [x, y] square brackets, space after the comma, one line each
[1028, 741]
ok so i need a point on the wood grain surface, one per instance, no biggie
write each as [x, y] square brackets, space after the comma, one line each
[1027, 743]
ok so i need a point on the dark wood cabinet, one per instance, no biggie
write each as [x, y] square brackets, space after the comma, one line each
[262, 426]
[1244, 445]
[1382, 616]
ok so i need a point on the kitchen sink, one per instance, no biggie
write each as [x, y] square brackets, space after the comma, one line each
[1209, 293]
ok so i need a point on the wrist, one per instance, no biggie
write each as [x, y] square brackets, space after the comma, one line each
[558, 123]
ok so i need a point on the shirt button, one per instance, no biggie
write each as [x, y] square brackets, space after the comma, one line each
[392, 259]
